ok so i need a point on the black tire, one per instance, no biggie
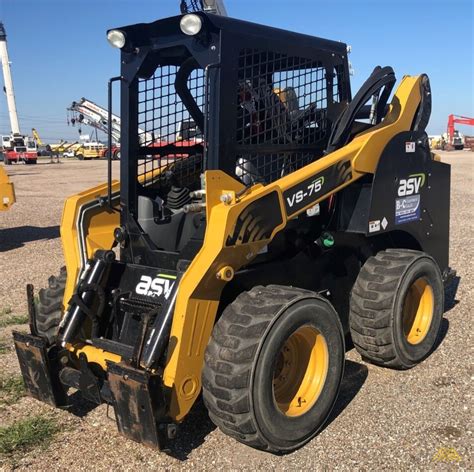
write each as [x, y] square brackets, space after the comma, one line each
[80, 157]
[49, 306]
[385, 326]
[117, 155]
[7, 162]
[244, 363]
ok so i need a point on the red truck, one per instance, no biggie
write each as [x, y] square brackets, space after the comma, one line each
[18, 148]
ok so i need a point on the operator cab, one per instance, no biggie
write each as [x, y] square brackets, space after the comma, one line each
[253, 101]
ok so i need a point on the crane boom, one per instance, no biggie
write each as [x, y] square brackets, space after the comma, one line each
[8, 82]
[37, 137]
[89, 113]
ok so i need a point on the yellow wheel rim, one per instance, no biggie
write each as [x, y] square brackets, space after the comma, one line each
[418, 311]
[300, 371]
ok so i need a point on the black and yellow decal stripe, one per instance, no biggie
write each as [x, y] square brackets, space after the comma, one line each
[257, 221]
[313, 188]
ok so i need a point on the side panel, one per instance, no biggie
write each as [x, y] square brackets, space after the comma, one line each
[85, 227]
[411, 193]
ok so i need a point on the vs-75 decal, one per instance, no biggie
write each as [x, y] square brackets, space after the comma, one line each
[313, 188]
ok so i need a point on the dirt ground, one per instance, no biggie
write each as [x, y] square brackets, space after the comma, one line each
[383, 420]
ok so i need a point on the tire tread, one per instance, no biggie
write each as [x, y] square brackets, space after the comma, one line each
[371, 305]
[227, 371]
[49, 306]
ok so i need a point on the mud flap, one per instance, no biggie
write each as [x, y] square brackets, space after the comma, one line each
[40, 369]
[139, 404]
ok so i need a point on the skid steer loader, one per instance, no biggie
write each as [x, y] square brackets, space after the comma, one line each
[242, 264]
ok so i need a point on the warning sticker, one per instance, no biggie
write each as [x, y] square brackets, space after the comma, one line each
[374, 226]
[407, 209]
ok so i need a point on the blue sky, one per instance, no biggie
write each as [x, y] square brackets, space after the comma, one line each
[59, 52]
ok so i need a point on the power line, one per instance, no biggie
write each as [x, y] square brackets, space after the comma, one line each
[40, 120]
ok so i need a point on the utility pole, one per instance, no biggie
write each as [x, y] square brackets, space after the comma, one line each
[8, 83]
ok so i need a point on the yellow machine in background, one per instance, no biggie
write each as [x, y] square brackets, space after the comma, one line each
[7, 191]
[85, 150]
[62, 147]
[92, 150]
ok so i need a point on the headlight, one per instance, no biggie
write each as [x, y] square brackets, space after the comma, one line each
[116, 38]
[190, 24]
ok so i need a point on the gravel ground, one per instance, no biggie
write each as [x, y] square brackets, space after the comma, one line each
[384, 420]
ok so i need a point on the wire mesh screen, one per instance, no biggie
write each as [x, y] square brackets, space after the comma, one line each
[172, 139]
[282, 119]
[339, 84]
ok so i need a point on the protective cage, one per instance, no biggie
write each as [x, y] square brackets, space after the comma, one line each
[166, 126]
[253, 101]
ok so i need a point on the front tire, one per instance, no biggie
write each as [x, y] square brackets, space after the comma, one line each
[397, 305]
[49, 307]
[273, 367]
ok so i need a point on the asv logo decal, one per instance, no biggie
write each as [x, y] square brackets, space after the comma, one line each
[314, 187]
[155, 287]
[411, 185]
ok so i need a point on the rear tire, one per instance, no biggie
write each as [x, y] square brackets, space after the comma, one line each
[397, 305]
[273, 367]
[49, 307]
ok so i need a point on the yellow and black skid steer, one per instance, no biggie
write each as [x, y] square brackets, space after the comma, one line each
[240, 263]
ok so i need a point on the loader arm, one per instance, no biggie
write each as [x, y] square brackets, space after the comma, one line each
[227, 245]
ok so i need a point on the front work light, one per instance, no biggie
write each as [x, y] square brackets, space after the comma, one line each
[116, 38]
[190, 24]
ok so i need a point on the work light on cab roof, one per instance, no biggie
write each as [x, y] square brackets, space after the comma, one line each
[190, 24]
[116, 38]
